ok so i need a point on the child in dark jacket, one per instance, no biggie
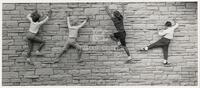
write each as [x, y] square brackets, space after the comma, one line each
[120, 36]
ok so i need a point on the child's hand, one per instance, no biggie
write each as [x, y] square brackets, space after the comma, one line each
[174, 20]
[68, 14]
[87, 18]
[49, 13]
[106, 7]
[35, 11]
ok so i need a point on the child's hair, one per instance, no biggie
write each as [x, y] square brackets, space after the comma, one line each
[74, 22]
[118, 15]
[168, 24]
[35, 16]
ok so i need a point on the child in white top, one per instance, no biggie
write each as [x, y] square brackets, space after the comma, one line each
[32, 33]
[73, 34]
[164, 42]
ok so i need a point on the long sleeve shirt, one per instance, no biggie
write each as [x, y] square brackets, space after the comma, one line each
[169, 32]
[34, 26]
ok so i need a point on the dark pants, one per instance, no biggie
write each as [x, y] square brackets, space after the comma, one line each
[33, 38]
[120, 36]
[164, 44]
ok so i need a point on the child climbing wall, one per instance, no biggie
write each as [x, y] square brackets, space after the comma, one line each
[103, 65]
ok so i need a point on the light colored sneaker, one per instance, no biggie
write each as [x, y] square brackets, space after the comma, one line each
[118, 43]
[38, 53]
[165, 62]
[129, 57]
[29, 61]
[143, 49]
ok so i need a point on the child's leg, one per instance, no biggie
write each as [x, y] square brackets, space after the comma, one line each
[113, 37]
[39, 40]
[159, 43]
[126, 50]
[65, 48]
[30, 47]
[80, 50]
[165, 53]
[57, 59]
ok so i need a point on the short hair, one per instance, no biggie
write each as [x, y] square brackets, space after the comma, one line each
[168, 24]
[35, 16]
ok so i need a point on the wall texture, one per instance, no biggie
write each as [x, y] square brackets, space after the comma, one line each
[103, 64]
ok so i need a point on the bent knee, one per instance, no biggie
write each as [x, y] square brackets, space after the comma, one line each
[43, 42]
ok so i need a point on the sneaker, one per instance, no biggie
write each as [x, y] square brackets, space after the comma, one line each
[129, 57]
[29, 61]
[143, 49]
[56, 60]
[80, 61]
[118, 43]
[166, 63]
[129, 61]
[118, 47]
[38, 53]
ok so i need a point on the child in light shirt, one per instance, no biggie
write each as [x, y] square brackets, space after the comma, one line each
[32, 37]
[164, 42]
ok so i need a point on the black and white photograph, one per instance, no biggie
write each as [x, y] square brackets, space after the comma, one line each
[99, 43]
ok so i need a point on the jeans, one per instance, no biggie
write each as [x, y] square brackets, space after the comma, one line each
[164, 44]
[33, 38]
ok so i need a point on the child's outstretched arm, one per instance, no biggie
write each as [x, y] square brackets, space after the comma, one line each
[29, 17]
[107, 11]
[83, 23]
[47, 17]
[68, 21]
[176, 24]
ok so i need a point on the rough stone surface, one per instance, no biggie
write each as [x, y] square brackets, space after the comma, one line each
[103, 65]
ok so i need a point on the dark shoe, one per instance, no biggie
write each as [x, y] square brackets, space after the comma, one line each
[129, 61]
[56, 60]
[80, 61]
[167, 64]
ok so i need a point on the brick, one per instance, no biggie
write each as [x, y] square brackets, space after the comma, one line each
[163, 8]
[44, 71]
[8, 64]
[91, 11]
[9, 75]
[24, 25]
[10, 24]
[60, 77]
[189, 69]
[147, 76]
[8, 6]
[119, 69]
[85, 71]
[50, 27]
[173, 76]
[113, 7]
[43, 6]
[191, 5]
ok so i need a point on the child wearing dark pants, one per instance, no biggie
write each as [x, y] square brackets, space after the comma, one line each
[164, 42]
[33, 31]
[120, 36]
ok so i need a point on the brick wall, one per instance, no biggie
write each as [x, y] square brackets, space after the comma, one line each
[103, 64]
